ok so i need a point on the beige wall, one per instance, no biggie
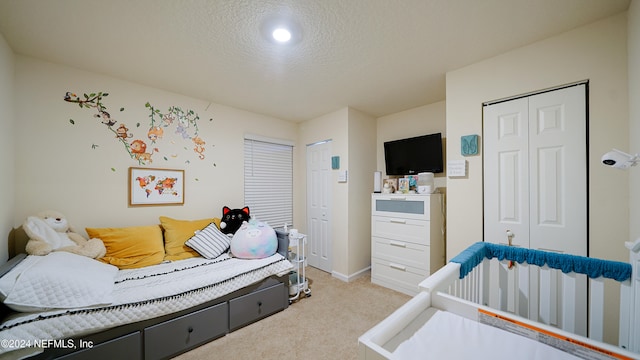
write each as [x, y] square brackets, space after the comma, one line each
[362, 160]
[7, 136]
[54, 166]
[597, 52]
[334, 127]
[633, 43]
[352, 135]
[57, 168]
[427, 119]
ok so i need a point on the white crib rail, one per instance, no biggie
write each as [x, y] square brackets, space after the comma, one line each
[554, 298]
[445, 291]
[630, 302]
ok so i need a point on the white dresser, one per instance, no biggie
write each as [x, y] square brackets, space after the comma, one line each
[407, 242]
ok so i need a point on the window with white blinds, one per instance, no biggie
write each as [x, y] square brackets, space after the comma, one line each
[268, 181]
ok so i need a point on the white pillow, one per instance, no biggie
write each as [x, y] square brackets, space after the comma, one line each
[59, 280]
[209, 242]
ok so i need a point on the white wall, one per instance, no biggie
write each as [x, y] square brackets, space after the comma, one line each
[58, 169]
[633, 43]
[597, 52]
[7, 144]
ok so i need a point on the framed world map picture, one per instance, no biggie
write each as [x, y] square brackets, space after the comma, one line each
[152, 187]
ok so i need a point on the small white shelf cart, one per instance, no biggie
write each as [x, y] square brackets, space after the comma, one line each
[298, 282]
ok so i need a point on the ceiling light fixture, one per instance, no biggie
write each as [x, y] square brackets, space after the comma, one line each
[281, 34]
[281, 30]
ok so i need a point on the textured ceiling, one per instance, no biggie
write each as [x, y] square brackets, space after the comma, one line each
[378, 56]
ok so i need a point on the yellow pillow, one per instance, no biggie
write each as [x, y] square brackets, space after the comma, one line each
[131, 247]
[177, 232]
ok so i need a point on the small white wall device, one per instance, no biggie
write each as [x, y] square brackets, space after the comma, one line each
[620, 160]
[342, 176]
[377, 181]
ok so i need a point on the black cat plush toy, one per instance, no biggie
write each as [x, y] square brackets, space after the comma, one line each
[233, 218]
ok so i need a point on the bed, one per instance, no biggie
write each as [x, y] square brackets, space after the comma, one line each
[480, 306]
[153, 312]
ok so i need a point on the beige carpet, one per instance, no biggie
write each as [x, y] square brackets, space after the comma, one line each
[325, 325]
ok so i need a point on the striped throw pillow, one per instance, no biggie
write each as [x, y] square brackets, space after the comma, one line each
[209, 242]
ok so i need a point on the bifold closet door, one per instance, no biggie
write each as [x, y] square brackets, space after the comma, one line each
[558, 163]
[506, 172]
[535, 196]
[535, 171]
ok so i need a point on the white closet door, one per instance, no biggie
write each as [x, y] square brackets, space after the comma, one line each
[506, 172]
[558, 163]
[535, 188]
[535, 171]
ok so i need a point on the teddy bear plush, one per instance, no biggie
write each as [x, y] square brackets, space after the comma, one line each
[232, 219]
[49, 231]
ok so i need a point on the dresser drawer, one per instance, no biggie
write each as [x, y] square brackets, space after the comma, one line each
[124, 347]
[256, 305]
[402, 206]
[178, 335]
[409, 230]
[397, 276]
[401, 252]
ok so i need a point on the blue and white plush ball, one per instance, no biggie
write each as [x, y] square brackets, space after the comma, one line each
[254, 240]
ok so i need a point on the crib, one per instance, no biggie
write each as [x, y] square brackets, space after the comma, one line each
[552, 304]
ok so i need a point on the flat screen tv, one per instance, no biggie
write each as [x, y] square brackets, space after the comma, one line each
[414, 155]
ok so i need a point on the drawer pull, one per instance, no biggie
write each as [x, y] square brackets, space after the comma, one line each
[397, 267]
[190, 330]
[398, 221]
[259, 303]
[397, 243]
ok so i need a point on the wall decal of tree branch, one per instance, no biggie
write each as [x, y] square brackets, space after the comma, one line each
[185, 122]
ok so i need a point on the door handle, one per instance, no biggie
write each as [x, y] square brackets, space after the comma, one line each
[510, 236]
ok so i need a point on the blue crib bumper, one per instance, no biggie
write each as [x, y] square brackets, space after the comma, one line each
[594, 268]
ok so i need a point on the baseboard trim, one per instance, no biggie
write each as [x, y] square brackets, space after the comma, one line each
[352, 277]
